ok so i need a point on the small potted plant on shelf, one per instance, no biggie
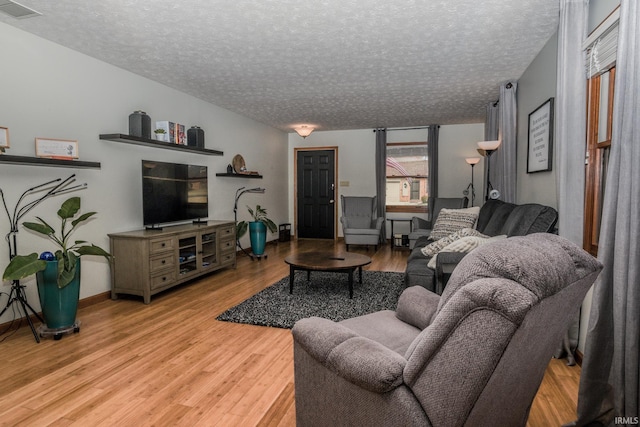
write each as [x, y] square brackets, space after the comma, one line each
[58, 276]
[161, 135]
[257, 229]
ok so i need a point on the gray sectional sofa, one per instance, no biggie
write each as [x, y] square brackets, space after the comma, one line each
[495, 218]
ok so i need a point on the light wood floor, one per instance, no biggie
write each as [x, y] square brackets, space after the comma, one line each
[171, 363]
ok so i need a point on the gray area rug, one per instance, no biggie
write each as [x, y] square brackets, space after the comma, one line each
[326, 295]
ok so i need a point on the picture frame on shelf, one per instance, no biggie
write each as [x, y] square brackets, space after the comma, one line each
[4, 137]
[540, 142]
[57, 148]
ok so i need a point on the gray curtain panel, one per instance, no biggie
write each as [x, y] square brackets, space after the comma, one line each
[501, 123]
[570, 123]
[570, 135]
[504, 160]
[491, 122]
[490, 134]
[381, 179]
[610, 367]
[432, 141]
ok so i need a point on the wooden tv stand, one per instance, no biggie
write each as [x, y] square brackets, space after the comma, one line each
[150, 261]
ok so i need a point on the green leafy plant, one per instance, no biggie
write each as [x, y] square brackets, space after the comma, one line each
[259, 215]
[69, 253]
[159, 131]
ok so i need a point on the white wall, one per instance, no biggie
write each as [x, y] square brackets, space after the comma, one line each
[535, 86]
[50, 91]
[356, 160]
[598, 12]
[454, 174]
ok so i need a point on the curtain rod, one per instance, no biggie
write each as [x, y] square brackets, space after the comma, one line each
[419, 127]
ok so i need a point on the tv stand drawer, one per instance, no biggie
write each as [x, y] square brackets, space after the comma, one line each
[161, 245]
[162, 263]
[163, 280]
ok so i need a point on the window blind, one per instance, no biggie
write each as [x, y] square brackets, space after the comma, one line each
[602, 45]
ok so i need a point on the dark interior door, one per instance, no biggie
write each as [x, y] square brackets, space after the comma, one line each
[316, 188]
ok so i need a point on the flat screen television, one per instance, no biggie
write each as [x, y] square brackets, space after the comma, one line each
[173, 192]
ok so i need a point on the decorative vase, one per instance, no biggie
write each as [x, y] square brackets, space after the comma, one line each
[140, 124]
[59, 306]
[258, 237]
[195, 137]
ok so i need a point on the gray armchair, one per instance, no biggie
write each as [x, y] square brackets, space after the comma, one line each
[361, 224]
[422, 227]
[474, 356]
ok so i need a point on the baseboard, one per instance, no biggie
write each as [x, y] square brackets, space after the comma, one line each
[94, 299]
[83, 303]
[273, 242]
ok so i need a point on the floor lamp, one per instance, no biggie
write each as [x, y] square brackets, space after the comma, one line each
[470, 188]
[487, 148]
[239, 192]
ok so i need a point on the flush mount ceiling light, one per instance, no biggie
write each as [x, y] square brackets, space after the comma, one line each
[304, 130]
[17, 10]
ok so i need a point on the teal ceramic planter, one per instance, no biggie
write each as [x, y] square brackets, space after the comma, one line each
[258, 237]
[59, 306]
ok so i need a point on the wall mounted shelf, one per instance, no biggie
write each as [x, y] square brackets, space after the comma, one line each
[239, 175]
[136, 140]
[41, 161]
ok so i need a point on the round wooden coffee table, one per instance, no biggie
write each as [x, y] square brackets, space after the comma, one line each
[327, 261]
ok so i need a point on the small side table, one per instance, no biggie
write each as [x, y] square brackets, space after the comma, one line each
[402, 239]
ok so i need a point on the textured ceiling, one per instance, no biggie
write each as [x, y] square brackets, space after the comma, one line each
[335, 64]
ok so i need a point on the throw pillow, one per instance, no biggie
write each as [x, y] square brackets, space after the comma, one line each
[452, 220]
[433, 248]
[465, 244]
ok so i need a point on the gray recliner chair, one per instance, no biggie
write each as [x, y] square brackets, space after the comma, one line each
[361, 224]
[422, 227]
[474, 356]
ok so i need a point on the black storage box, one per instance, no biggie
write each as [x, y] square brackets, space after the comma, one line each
[285, 232]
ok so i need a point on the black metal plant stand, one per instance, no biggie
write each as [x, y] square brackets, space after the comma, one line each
[239, 192]
[51, 188]
[18, 296]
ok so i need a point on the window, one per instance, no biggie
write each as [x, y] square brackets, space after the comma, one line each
[415, 189]
[407, 176]
[599, 118]
[601, 49]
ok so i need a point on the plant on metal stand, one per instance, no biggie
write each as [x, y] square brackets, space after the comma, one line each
[257, 229]
[57, 272]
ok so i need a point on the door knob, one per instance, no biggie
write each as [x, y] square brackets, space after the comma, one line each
[331, 201]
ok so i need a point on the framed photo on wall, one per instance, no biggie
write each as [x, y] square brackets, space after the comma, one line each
[540, 144]
[4, 137]
[57, 148]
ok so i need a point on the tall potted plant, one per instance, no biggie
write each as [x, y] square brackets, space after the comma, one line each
[257, 229]
[58, 276]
